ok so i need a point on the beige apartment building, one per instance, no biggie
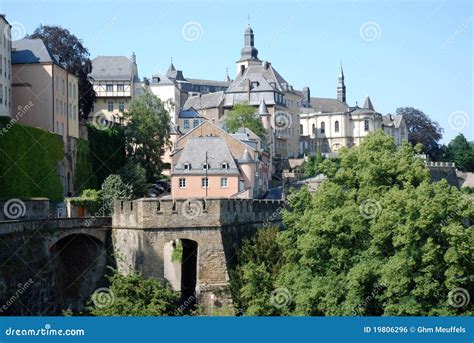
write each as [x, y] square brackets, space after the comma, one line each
[5, 68]
[49, 97]
[209, 162]
[116, 82]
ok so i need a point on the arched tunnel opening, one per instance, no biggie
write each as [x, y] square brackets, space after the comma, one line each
[80, 262]
[181, 270]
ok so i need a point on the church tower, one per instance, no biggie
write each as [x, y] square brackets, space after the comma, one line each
[341, 87]
[249, 53]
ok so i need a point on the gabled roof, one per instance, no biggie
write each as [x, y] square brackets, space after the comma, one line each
[327, 105]
[392, 120]
[114, 68]
[204, 101]
[188, 113]
[31, 51]
[214, 83]
[194, 153]
[264, 74]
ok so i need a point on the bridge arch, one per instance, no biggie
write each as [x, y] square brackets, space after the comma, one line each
[79, 261]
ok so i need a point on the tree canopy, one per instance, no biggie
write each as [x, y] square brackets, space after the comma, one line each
[134, 295]
[377, 238]
[421, 129]
[75, 56]
[147, 132]
[243, 115]
[461, 152]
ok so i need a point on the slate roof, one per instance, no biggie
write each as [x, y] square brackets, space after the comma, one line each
[31, 51]
[194, 153]
[203, 82]
[114, 68]
[328, 105]
[392, 120]
[204, 101]
[188, 113]
[263, 73]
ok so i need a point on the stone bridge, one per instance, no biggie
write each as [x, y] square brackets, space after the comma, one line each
[54, 263]
[205, 232]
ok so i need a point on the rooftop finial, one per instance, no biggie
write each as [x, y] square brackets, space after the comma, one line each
[248, 18]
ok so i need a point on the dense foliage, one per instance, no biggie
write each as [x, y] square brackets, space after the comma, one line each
[461, 152]
[91, 200]
[312, 165]
[113, 189]
[74, 56]
[243, 115]
[147, 133]
[28, 162]
[135, 295]
[84, 177]
[107, 151]
[377, 238]
[134, 175]
[423, 130]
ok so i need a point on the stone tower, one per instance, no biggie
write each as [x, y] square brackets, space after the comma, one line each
[249, 53]
[341, 87]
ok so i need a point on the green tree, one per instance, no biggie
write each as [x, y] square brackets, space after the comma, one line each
[74, 56]
[421, 129]
[461, 152]
[113, 189]
[243, 115]
[135, 295]
[147, 133]
[134, 175]
[377, 238]
[311, 166]
[84, 177]
[259, 260]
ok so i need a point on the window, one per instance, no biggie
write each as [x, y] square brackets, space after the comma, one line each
[225, 165]
[187, 166]
[57, 106]
[186, 124]
[336, 126]
[109, 87]
[314, 128]
[224, 183]
[69, 110]
[204, 182]
[121, 105]
[1, 93]
[195, 122]
[182, 182]
[205, 166]
[110, 106]
[323, 127]
[120, 87]
[301, 129]
[366, 125]
[64, 86]
[1, 64]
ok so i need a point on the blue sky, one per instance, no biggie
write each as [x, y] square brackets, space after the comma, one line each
[401, 53]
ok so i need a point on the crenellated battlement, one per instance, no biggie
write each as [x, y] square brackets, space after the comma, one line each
[182, 213]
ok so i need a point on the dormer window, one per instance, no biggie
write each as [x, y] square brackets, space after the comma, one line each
[187, 166]
[205, 166]
[225, 165]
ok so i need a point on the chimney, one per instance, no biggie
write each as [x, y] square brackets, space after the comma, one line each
[306, 95]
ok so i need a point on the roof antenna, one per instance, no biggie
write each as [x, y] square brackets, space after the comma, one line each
[248, 18]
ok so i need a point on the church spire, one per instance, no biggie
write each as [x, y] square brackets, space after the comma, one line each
[341, 87]
[249, 52]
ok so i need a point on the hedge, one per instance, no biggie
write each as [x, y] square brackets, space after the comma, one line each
[28, 162]
[84, 177]
[107, 151]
